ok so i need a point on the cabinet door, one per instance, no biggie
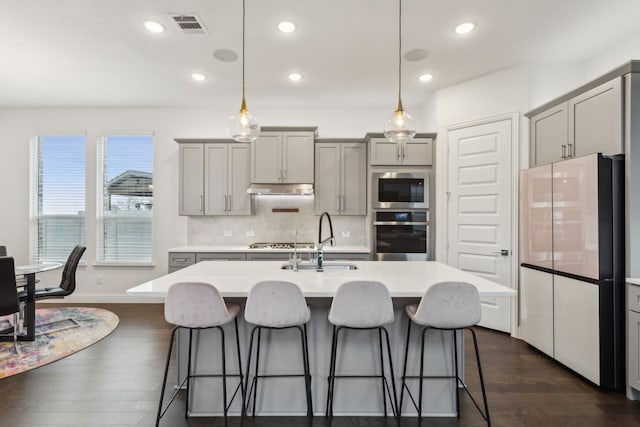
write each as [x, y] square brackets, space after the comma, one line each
[190, 182]
[549, 136]
[215, 166]
[575, 217]
[327, 183]
[266, 158]
[633, 331]
[576, 339]
[239, 178]
[536, 224]
[418, 152]
[353, 198]
[595, 120]
[536, 309]
[297, 157]
[385, 152]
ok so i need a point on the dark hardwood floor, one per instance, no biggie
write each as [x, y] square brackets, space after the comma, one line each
[117, 380]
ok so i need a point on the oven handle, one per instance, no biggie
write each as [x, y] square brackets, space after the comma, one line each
[400, 223]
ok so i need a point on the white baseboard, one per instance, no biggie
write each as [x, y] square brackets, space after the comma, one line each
[114, 298]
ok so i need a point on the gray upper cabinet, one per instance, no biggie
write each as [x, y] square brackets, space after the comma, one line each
[284, 157]
[587, 122]
[416, 152]
[595, 120]
[213, 178]
[549, 132]
[190, 181]
[227, 179]
[341, 178]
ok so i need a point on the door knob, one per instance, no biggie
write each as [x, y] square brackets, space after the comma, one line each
[503, 252]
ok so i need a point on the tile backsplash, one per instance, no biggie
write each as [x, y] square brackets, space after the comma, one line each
[269, 226]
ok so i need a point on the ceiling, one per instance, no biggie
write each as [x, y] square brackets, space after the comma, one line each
[79, 53]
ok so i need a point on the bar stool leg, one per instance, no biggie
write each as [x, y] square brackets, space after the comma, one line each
[242, 390]
[484, 394]
[186, 408]
[164, 378]
[305, 364]
[332, 361]
[404, 368]
[382, 377]
[394, 403]
[457, 375]
[224, 377]
[245, 403]
[420, 380]
[255, 376]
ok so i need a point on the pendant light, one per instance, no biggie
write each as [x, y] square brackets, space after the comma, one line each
[243, 127]
[400, 127]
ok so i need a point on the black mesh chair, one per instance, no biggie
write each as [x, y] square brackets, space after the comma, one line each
[68, 283]
[9, 303]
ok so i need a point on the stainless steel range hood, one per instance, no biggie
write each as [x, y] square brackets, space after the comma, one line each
[281, 189]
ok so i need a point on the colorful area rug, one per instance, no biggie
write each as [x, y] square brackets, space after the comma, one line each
[54, 343]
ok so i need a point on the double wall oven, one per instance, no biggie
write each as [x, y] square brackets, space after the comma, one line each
[401, 223]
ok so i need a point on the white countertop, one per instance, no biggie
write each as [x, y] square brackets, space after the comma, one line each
[403, 278]
[633, 280]
[245, 248]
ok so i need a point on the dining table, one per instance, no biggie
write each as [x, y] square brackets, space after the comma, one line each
[26, 278]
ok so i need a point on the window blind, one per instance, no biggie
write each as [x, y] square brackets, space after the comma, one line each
[125, 199]
[57, 208]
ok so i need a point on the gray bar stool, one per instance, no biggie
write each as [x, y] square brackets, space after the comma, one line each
[276, 305]
[362, 305]
[445, 306]
[196, 306]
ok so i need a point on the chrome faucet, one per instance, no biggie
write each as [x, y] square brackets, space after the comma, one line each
[321, 242]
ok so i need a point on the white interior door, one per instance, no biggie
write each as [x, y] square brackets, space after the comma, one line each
[479, 194]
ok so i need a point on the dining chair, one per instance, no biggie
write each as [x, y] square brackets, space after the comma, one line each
[68, 283]
[9, 303]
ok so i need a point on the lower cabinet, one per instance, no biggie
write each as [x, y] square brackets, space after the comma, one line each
[633, 334]
[262, 256]
[216, 256]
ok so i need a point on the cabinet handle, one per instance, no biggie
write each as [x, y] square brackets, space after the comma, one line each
[201, 203]
[570, 152]
[398, 152]
[338, 203]
[564, 149]
[284, 174]
[230, 204]
[225, 203]
[404, 151]
[343, 203]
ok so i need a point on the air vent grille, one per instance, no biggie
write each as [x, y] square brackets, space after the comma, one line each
[188, 24]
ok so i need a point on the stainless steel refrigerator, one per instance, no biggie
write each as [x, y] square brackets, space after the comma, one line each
[572, 259]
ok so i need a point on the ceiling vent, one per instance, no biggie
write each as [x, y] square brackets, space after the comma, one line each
[189, 24]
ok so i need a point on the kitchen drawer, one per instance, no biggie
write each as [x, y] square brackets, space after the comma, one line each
[230, 256]
[329, 256]
[633, 298]
[181, 259]
[275, 256]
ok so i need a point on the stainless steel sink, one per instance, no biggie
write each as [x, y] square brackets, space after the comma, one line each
[326, 266]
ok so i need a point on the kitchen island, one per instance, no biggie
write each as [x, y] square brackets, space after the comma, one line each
[406, 281]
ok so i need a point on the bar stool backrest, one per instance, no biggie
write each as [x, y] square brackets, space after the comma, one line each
[450, 305]
[276, 304]
[195, 305]
[361, 304]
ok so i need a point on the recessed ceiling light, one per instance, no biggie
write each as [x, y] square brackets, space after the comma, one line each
[198, 77]
[415, 55]
[154, 26]
[225, 55]
[465, 27]
[294, 77]
[425, 77]
[287, 26]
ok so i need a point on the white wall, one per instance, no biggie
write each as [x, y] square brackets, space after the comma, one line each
[170, 230]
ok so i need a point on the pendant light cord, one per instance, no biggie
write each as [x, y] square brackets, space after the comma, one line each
[399, 55]
[243, 37]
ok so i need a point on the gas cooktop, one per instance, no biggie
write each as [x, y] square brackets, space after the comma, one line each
[281, 245]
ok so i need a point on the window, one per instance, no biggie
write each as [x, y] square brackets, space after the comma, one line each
[125, 200]
[57, 208]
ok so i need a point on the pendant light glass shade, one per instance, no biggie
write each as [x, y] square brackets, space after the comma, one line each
[400, 127]
[243, 127]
